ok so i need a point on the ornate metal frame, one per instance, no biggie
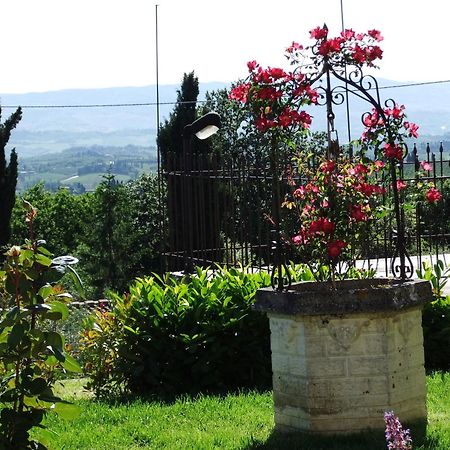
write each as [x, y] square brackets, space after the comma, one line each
[360, 85]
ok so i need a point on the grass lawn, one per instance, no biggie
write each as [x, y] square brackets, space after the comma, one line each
[242, 421]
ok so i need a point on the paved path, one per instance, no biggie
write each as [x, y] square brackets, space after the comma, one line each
[380, 266]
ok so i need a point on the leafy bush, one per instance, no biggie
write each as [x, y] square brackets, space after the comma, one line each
[436, 318]
[169, 336]
[114, 231]
[59, 220]
[30, 355]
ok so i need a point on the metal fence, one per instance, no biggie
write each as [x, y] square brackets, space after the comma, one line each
[219, 211]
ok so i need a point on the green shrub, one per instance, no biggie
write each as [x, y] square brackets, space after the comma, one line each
[31, 356]
[169, 336]
[436, 318]
[436, 334]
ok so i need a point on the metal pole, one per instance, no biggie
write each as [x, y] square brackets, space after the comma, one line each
[161, 208]
[188, 225]
[347, 104]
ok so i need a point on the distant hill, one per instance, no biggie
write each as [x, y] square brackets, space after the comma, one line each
[52, 130]
[81, 168]
[49, 130]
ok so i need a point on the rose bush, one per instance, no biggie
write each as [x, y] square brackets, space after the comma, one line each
[333, 195]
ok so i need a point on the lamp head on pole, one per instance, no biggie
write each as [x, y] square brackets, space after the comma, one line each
[203, 127]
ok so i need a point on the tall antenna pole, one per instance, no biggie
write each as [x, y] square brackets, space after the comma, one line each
[349, 132]
[342, 15]
[157, 87]
[158, 152]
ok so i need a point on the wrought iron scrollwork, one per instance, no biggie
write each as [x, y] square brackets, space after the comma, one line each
[337, 95]
[401, 265]
[280, 277]
[364, 87]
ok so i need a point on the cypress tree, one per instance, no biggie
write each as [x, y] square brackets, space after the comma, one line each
[171, 131]
[8, 175]
[170, 142]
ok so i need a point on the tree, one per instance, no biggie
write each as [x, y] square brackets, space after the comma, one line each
[8, 176]
[170, 142]
[170, 137]
[60, 218]
[121, 235]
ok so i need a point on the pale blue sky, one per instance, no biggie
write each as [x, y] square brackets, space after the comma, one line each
[60, 44]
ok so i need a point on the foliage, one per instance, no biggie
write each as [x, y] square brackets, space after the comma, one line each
[169, 336]
[103, 230]
[59, 221]
[114, 231]
[436, 318]
[121, 235]
[170, 139]
[8, 176]
[30, 355]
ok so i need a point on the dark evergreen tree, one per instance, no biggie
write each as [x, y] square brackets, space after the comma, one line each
[170, 138]
[170, 142]
[8, 176]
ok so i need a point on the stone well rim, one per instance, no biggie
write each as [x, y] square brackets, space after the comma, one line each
[349, 297]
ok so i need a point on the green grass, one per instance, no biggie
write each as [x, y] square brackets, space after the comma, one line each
[243, 421]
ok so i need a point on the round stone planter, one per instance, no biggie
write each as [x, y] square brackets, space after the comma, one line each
[342, 357]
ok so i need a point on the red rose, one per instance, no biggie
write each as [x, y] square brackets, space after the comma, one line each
[334, 248]
[401, 185]
[357, 213]
[433, 195]
[393, 151]
[328, 166]
[318, 33]
[327, 226]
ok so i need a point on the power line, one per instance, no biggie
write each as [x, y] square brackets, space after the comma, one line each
[122, 105]
[424, 83]
[96, 105]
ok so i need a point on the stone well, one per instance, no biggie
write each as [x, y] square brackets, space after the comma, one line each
[342, 357]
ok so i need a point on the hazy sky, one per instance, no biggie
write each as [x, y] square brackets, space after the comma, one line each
[60, 44]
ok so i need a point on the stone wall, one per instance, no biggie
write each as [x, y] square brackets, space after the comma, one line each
[338, 374]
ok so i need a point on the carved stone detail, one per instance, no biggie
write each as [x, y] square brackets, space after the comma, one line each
[346, 334]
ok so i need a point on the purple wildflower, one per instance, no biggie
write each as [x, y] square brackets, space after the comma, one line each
[396, 437]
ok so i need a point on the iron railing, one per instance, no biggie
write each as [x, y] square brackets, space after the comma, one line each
[231, 212]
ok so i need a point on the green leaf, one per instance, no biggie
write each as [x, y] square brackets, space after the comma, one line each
[59, 355]
[51, 361]
[45, 291]
[4, 335]
[71, 364]
[131, 330]
[37, 386]
[48, 396]
[77, 281]
[55, 340]
[10, 318]
[44, 251]
[43, 260]
[16, 335]
[61, 308]
[67, 410]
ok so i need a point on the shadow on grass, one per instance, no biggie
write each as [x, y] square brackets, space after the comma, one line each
[167, 399]
[370, 440]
